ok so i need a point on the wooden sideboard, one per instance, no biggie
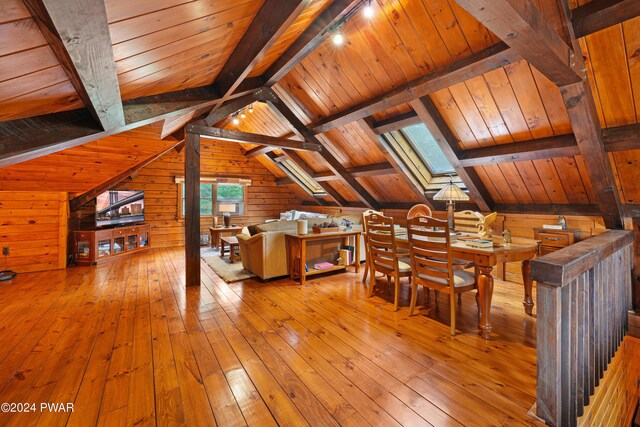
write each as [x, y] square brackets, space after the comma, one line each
[92, 246]
[553, 240]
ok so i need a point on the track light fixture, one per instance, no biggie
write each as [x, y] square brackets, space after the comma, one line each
[368, 10]
[242, 114]
[236, 120]
[250, 108]
[338, 38]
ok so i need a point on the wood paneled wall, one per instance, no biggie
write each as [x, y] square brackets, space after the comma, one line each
[34, 227]
[615, 399]
[265, 199]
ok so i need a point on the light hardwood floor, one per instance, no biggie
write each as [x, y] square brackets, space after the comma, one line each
[128, 346]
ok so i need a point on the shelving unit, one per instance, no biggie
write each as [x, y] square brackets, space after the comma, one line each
[93, 246]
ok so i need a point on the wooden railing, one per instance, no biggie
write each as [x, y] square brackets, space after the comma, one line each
[583, 298]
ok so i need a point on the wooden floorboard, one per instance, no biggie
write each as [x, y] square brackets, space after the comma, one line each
[127, 344]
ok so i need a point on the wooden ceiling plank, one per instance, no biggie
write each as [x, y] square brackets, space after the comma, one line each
[600, 14]
[82, 199]
[496, 56]
[521, 26]
[309, 40]
[26, 139]
[446, 140]
[78, 33]
[334, 164]
[252, 138]
[394, 160]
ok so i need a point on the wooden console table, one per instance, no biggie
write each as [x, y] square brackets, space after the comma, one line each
[297, 244]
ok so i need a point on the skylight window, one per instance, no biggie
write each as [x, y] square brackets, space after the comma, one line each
[301, 177]
[427, 148]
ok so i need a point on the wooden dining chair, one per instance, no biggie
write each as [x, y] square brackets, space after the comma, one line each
[365, 214]
[432, 266]
[384, 256]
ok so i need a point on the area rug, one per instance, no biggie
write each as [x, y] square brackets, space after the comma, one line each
[229, 272]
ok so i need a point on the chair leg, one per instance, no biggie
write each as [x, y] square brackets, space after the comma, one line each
[453, 314]
[366, 271]
[427, 294]
[459, 298]
[372, 283]
[414, 297]
[396, 293]
[478, 304]
[437, 295]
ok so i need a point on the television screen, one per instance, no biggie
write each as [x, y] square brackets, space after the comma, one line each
[119, 207]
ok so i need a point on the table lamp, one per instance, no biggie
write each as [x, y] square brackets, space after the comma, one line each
[451, 193]
[226, 209]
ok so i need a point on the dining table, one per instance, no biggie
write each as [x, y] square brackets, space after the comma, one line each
[485, 259]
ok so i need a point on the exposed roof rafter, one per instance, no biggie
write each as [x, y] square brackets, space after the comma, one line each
[78, 34]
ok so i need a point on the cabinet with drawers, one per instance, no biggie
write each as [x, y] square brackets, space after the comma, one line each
[553, 240]
[92, 246]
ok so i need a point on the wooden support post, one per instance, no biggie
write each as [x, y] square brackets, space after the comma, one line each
[192, 209]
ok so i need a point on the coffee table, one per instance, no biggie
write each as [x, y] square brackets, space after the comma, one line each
[234, 247]
[216, 232]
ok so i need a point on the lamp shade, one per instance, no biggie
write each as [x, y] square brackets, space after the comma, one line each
[451, 192]
[226, 208]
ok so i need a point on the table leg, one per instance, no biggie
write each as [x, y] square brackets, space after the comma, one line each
[221, 249]
[303, 261]
[485, 289]
[528, 286]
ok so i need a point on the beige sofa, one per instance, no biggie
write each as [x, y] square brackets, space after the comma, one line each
[265, 253]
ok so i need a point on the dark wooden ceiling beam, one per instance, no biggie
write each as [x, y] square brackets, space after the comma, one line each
[446, 140]
[292, 178]
[395, 123]
[309, 40]
[395, 161]
[482, 62]
[334, 164]
[544, 148]
[78, 34]
[257, 151]
[600, 14]
[33, 137]
[252, 138]
[335, 195]
[271, 21]
[521, 26]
